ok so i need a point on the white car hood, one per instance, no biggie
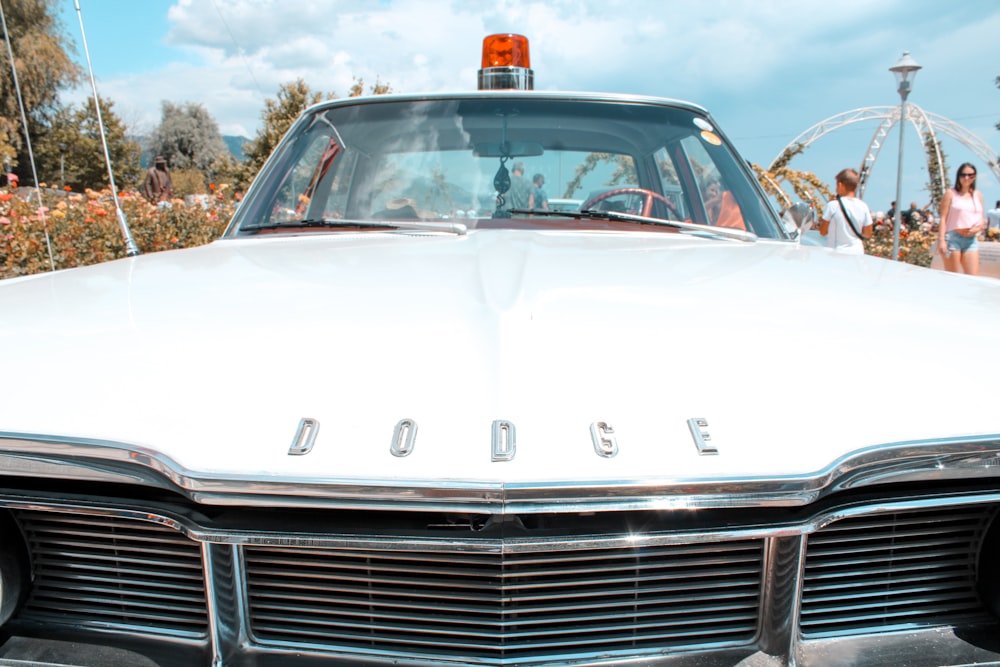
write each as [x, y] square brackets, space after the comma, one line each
[210, 357]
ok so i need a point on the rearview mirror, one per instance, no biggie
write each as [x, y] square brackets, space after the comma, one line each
[798, 218]
[508, 149]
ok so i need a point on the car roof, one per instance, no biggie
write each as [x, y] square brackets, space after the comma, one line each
[562, 96]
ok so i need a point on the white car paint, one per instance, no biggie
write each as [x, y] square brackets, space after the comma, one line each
[210, 357]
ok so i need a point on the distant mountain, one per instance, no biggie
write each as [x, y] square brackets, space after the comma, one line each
[235, 145]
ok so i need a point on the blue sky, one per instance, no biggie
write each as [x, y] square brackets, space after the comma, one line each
[768, 70]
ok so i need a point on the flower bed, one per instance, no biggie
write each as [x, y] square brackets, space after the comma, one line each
[915, 246]
[84, 229]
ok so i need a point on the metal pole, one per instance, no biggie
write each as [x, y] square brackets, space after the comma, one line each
[904, 90]
[131, 248]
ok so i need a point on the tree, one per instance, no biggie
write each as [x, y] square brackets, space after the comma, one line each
[279, 114]
[188, 137]
[44, 67]
[70, 152]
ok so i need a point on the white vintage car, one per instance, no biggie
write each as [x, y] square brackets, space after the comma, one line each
[394, 417]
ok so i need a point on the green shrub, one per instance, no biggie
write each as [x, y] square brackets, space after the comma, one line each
[188, 182]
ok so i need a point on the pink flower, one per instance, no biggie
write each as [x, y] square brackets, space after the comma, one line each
[4, 220]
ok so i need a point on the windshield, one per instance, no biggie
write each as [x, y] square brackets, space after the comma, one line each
[490, 161]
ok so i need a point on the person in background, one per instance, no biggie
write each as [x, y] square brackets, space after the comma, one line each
[520, 189]
[538, 199]
[846, 221]
[913, 217]
[993, 218]
[158, 187]
[721, 207]
[962, 218]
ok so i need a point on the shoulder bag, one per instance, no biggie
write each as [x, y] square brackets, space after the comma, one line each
[849, 220]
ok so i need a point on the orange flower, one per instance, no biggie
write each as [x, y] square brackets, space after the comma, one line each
[211, 186]
[6, 196]
[67, 188]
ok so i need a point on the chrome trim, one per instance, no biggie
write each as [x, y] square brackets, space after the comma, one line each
[504, 441]
[305, 437]
[505, 78]
[215, 637]
[58, 457]
[603, 436]
[697, 425]
[189, 529]
[404, 437]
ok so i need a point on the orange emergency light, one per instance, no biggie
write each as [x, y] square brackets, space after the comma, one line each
[506, 63]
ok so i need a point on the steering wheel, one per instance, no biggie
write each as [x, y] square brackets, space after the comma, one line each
[648, 198]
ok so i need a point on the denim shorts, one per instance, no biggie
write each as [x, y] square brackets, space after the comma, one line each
[959, 243]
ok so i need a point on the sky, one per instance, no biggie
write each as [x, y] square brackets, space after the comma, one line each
[769, 71]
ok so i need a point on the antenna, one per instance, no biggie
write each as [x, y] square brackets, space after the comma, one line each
[131, 248]
[27, 137]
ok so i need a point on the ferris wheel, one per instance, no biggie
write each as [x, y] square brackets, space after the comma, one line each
[928, 125]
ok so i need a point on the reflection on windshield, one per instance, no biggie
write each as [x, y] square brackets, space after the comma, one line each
[479, 158]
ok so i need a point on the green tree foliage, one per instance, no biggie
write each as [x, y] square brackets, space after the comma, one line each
[44, 67]
[188, 137]
[378, 88]
[278, 115]
[69, 151]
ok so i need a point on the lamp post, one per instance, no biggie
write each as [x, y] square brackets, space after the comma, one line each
[62, 155]
[905, 70]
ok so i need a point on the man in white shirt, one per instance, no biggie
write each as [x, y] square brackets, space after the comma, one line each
[846, 234]
[993, 218]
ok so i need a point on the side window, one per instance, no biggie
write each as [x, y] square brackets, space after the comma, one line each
[712, 192]
[670, 184]
[294, 198]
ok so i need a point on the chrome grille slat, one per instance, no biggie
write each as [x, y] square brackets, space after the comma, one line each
[468, 615]
[876, 572]
[114, 572]
[418, 600]
[893, 570]
[507, 605]
[496, 602]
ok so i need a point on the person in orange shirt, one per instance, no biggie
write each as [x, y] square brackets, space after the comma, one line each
[722, 209]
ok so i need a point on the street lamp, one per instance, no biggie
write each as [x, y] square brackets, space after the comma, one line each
[905, 70]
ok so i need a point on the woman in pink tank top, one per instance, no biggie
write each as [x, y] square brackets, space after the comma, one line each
[962, 218]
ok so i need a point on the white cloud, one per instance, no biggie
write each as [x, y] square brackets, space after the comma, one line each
[768, 69]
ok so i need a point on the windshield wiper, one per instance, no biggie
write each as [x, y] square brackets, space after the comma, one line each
[451, 227]
[594, 214]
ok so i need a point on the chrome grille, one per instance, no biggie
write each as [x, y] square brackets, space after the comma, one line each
[114, 572]
[891, 571]
[490, 606]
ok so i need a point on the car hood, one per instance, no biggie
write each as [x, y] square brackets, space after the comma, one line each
[210, 357]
